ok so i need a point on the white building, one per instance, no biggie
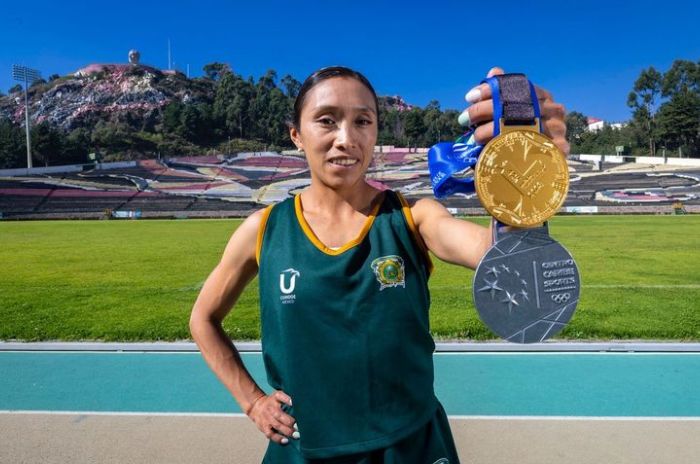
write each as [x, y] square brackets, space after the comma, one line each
[595, 124]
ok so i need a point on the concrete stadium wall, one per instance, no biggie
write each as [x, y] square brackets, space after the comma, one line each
[117, 165]
[609, 159]
[65, 168]
[682, 161]
[44, 170]
[643, 160]
[292, 152]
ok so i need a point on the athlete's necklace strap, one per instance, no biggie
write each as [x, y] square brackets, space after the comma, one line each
[515, 98]
[514, 101]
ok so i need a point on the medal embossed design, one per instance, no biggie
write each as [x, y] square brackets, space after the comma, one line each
[527, 286]
[522, 178]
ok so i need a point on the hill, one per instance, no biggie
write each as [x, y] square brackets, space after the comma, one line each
[135, 111]
[118, 93]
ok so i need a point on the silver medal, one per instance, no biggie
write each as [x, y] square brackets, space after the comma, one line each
[527, 286]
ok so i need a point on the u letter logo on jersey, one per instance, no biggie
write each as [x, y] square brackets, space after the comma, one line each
[287, 288]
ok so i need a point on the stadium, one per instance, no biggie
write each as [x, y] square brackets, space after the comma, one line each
[117, 258]
[235, 186]
[617, 408]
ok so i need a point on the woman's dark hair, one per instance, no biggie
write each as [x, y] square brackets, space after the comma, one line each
[321, 75]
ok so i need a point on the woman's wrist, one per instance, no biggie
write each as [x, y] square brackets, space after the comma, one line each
[247, 409]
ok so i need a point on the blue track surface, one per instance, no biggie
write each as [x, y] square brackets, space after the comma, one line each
[604, 384]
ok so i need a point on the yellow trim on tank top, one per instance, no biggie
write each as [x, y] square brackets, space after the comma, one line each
[414, 230]
[318, 243]
[261, 232]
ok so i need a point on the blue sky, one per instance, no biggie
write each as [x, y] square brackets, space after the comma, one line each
[588, 54]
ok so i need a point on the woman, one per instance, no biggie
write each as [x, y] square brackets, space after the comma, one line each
[343, 271]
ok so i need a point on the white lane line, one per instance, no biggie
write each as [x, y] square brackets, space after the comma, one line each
[580, 418]
[454, 417]
[121, 413]
[436, 353]
[565, 353]
[441, 346]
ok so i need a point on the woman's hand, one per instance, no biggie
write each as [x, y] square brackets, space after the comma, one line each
[271, 420]
[480, 114]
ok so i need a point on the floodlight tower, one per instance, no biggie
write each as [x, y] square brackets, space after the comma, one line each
[28, 76]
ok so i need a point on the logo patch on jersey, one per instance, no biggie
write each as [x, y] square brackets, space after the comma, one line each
[442, 461]
[389, 271]
[288, 280]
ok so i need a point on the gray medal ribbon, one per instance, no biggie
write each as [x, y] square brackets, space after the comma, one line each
[527, 286]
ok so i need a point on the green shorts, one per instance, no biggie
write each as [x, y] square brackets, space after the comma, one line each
[431, 444]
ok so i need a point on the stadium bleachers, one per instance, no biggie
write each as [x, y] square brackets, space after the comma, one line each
[18, 203]
[230, 186]
[158, 203]
[78, 205]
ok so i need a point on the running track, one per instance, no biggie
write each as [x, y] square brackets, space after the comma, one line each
[637, 397]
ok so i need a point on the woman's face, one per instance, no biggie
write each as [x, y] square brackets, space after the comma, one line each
[338, 131]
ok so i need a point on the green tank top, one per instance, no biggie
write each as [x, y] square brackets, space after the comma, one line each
[345, 332]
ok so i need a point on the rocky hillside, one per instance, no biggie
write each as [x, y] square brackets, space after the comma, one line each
[134, 111]
[129, 93]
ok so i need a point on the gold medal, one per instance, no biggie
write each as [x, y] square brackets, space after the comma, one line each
[522, 178]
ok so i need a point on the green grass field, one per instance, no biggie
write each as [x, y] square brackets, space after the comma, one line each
[138, 280]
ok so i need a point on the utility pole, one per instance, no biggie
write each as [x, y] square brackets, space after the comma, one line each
[170, 66]
[28, 76]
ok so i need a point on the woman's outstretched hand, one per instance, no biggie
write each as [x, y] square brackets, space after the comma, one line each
[271, 420]
[480, 114]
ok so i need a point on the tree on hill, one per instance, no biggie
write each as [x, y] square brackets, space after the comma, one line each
[679, 116]
[47, 143]
[576, 126]
[414, 126]
[196, 123]
[75, 147]
[682, 78]
[37, 83]
[12, 148]
[431, 121]
[291, 85]
[679, 121]
[232, 105]
[171, 117]
[644, 100]
[215, 71]
[268, 80]
[390, 127]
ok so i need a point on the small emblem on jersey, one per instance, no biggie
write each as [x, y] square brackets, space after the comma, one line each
[442, 461]
[389, 271]
[288, 280]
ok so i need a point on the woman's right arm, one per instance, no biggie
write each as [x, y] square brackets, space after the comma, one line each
[238, 266]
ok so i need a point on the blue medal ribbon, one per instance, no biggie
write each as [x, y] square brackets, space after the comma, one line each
[451, 164]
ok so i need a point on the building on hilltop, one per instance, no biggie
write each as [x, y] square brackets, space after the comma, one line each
[595, 124]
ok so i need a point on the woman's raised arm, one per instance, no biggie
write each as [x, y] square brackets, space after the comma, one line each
[450, 239]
